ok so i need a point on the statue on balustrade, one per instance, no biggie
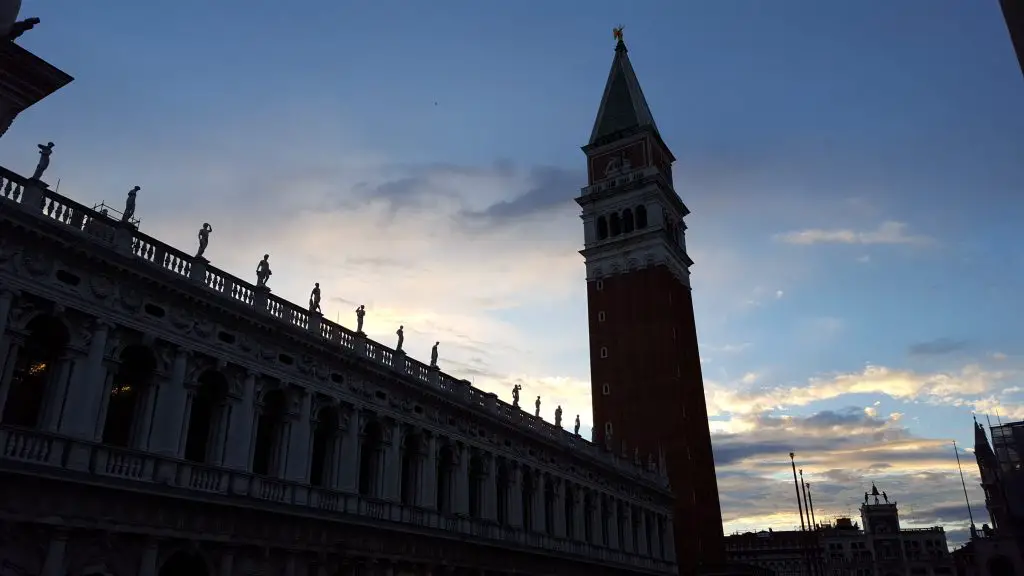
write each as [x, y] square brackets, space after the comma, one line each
[401, 338]
[360, 314]
[129, 205]
[650, 462]
[314, 299]
[45, 150]
[558, 416]
[536, 405]
[433, 355]
[515, 395]
[576, 427]
[20, 27]
[885, 497]
[204, 238]
[263, 272]
[636, 456]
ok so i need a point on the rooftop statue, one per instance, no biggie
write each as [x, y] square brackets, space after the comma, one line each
[401, 338]
[576, 427]
[433, 355]
[263, 272]
[314, 299]
[537, 406]
[204, 238]
[129, 205]
[45, 150]
[360, 314]
[515, 395]
[558, 416]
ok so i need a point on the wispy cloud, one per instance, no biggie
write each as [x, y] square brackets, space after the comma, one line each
[936, 347]
[889, 232]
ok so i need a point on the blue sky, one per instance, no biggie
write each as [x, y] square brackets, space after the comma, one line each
[853, 170]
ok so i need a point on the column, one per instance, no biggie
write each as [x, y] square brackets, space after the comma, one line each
[559, 508]
[6, 301]
[658, 546]
[539, 494]
[597, 527]
[641, 537]
[669, 538]
[56, 394]
[53, 565]
[243, 413]
[461, 484]
[613, 524]
[169, 419]
[150, 556]
[428, 476]
[490, 489]
[393, 464]
[579, 515]
[85, 394]
[335, 460]
[349, 462]
[297, 458]
[515, 495]
[627, 528]
[227, 563]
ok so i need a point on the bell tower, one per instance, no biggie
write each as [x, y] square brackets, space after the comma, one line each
[646, 383]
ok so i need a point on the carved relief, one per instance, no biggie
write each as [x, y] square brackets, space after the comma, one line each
[35, 265]
[102, 287]
[131, 299]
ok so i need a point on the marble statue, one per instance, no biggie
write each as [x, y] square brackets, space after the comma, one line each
[360, 314]
[515, 395]
[401, 338]
[885, 496]
[537, 406]
[558, 416]
[865, 497]
[314, 299]
[576, 427]
[433, 355]
[204, 238]
[129, 205]
[45, 150]
[263, 272]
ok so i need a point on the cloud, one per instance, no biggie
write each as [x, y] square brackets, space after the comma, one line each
[936, 347]
[888, 232]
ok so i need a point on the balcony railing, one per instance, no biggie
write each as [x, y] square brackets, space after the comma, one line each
[181, 267]
[160, 473]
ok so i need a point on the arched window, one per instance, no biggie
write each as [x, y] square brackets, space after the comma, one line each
[184, 564]
[127, 393]
[549, 506]
[641, 217]
[371, 459]
[502, 484]
[602, 228]
[476, 480]
[269, 428]
[615, 224]
[325, 439]
[205, 415]
[36, 369]
[528, 495]
[570, 511]
[411, 462]
[627, 221]
[445, 469]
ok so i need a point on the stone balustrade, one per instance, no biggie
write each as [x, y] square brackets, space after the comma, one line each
[62, 455]
[126, 239]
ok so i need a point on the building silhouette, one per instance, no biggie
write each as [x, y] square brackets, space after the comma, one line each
[647, 387]
[882, 548]
[1013, 13]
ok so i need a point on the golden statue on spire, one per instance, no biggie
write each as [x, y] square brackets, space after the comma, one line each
[617, 33]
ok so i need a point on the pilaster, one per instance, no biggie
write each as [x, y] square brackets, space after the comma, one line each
[579, 516]
[297, 469]
[539, 495]
[613, 524]
[169, 422]
[461, 481]
[349, 460]
[428, 487]
[641, 537]
[515, 496]
[490, 489]
[597, 524]
[559, 508]
[86, 393]
[627, 528]
[239, 435]
[393, 463]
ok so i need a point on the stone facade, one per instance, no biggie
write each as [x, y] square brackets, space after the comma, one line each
[159, 416]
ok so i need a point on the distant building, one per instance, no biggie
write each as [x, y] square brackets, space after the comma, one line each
[882, 548]
[996, 550]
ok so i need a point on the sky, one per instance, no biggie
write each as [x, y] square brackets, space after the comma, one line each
[853, 171]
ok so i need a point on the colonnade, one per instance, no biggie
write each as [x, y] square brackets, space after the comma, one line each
[110, 386]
